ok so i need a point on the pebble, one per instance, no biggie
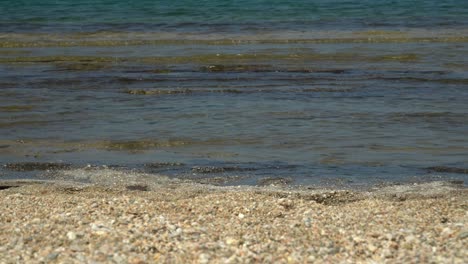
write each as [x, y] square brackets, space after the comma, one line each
[371, 248]
[387, 253]
[177, 232]
[463, 235]
[410, 238]
[52, 256]
[71, 235]
[99, 229]
[231, 241]
[203, 258]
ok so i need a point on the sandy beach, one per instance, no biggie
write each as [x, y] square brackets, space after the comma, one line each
[180, 222]
[233, 131]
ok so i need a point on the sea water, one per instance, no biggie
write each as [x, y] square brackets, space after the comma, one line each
[351, 93]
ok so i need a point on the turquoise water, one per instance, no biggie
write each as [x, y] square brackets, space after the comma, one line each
[230, 15]
[348, 93]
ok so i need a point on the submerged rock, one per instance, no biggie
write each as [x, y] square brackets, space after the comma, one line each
[137, 145]
[233, 91]
[161, 71]
[32, 166]
[219, 180]
[410, 57]
[274, 181]
[448, 169]
[16, 108]
[209, 169]
[81, 66]
[4, 187]
[456, 182]
[137, 187]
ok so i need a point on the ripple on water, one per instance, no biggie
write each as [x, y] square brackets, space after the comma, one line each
[16, 108]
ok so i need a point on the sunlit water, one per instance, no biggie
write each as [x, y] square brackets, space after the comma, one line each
[351, 93]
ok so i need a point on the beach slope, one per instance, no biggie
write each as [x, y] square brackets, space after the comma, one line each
[190, 223]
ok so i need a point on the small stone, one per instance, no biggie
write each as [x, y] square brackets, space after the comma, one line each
[286, 203]
[241, 216]
[71, 235]
[410, 238]
[371, 248]
[99, 229]
[358, 239]
[76, 248]
[118, 258]
[176, 232]
[463, 235]
[387, 253]
[232, 259]
[231, 241]
[401, 197]
[203, 258]
[81, 258]
[52, 256]
[446, 231]
[137, 261]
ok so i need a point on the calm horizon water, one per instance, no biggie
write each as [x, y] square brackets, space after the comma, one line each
[328, 93]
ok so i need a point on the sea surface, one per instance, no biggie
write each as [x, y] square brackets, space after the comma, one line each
[320, 93]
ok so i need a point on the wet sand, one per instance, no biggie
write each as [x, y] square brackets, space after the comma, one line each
[180, 222]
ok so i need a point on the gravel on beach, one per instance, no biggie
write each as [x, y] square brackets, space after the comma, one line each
[192, 223]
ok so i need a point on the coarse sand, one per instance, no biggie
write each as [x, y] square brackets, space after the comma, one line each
[179, 222]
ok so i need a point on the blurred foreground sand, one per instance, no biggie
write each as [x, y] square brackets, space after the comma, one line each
[189, 223]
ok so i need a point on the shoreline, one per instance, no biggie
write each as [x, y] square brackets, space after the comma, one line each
[175, 221]
[227, 175]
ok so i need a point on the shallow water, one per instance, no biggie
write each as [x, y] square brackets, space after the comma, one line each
[336, 94]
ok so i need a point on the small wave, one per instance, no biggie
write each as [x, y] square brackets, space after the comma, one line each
[192, 91]
[63, 67]
[16, 108]
[213, 169]
[231, 91]
[159, 165]
[137, 145]
[22, 42]
[24, 123]
[213, 63]
[430, 117]
[328, 90]
[236, 68]
[410, 57]
[109, 177]
[421, 79]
